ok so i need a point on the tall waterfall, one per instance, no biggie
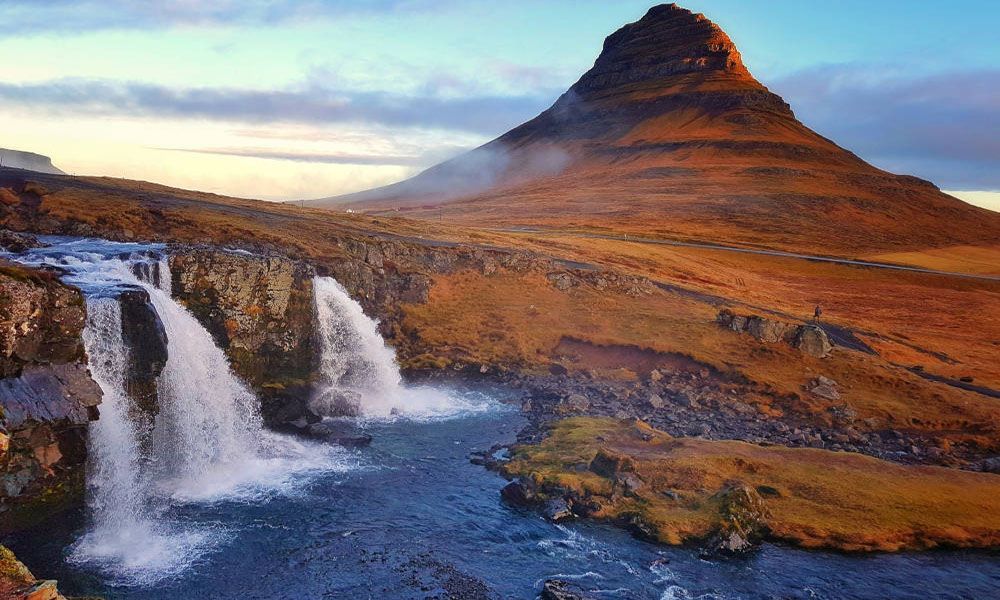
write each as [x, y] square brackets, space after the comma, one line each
[117, 496]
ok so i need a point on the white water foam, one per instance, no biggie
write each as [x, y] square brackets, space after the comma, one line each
[360, 370]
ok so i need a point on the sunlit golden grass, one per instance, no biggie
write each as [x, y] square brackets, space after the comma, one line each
[815, 498]
[520, 320]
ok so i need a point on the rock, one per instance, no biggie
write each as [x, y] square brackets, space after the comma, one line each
[744, 520]
[812, 340]
[561, 281]
[519, 492]
[655, 401]
[574, 403]
[339, 433]
[555, 589]
[259, 309]
[557, 509]
[47, 397]
[768, 330]
[629, 482]
[825, 388]
[17, 582]
[146, 341]
[17, 242]
[990, 465]
[809, 339]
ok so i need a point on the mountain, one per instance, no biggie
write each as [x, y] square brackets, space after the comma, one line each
[669, 135]
[29, 161]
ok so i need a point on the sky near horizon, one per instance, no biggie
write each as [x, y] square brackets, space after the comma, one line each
[283, 99]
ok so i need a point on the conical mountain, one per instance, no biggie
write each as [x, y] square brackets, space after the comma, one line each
[669, 135]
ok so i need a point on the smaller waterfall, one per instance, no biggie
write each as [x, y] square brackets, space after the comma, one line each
[359, 372]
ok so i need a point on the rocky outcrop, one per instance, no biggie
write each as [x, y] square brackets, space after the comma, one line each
[17, 582]
[808, 338]
[743, 520]
[46, 394]
[146, 341]
[259, 309]
[12, 241]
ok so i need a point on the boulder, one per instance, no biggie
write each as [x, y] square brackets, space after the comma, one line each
[339, 433]
[556, 589]
[825, 388]
[574, 403]
[519, 492]
[744, 520]
[557, 509]
[17, 242]
[812, 340]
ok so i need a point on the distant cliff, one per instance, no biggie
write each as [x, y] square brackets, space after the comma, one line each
[29, 161]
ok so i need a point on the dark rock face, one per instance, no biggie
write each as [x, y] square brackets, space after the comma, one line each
[259, 309]
[47, 396]
[17, 242]
[146, 341]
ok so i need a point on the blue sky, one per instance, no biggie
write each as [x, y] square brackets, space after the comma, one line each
[303, 98]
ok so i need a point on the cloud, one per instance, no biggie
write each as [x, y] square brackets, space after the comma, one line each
[53, 16]
[312, 104]
[941, 127]
[339, 158]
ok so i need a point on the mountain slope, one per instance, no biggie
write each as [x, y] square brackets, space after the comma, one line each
[669, 135]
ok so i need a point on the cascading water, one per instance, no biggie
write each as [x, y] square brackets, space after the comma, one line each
[359, 371]
[207, 440]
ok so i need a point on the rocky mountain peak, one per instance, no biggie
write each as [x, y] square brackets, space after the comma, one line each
[668, 41]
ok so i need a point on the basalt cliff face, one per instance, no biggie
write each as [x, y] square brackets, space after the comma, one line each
[670, 135]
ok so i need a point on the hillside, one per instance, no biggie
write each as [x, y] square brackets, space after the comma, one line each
[670, 136]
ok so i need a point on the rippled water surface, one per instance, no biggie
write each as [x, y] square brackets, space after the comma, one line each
[410, 517]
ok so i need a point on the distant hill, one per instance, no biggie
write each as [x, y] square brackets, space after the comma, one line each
[669, 135]
[30, 161]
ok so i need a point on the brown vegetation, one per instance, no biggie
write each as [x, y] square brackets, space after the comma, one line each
[672, 488]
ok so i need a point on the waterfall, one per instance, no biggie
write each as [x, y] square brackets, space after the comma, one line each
[208, 426]
[116, 494]
[359, 371]
[359, 374]
[206, 443]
